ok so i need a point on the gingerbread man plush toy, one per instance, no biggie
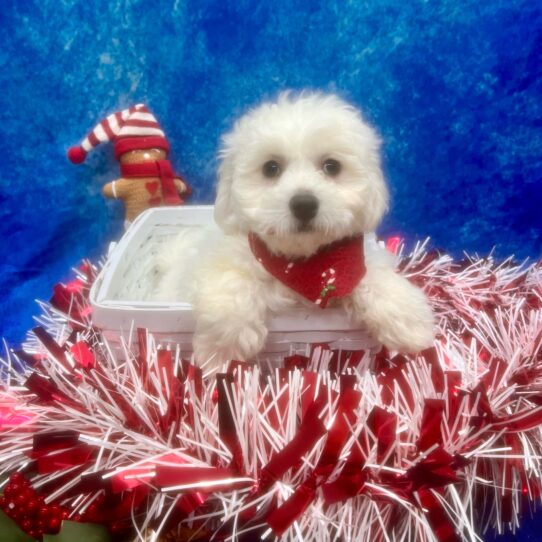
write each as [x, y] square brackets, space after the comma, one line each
[141, 147]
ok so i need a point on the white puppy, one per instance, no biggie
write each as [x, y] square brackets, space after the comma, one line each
[297, 175]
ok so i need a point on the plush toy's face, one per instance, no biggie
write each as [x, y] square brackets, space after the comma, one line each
[143, 155]
[301, 173]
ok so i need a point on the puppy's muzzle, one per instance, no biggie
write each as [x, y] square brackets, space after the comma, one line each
[304, 206]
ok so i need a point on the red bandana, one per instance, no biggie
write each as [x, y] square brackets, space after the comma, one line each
[159, 168]
[334, 271]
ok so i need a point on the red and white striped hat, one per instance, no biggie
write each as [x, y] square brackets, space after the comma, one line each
[135, 128]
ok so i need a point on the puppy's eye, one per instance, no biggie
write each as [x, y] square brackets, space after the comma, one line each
[331, 167]
[271, 169]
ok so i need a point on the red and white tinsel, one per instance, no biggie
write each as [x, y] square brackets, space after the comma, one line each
[442, 446]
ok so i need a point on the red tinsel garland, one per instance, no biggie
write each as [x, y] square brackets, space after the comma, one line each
[335, 445]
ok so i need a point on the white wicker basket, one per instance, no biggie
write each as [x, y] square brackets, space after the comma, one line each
[119, 296]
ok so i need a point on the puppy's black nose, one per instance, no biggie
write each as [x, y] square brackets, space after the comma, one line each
[304, 206]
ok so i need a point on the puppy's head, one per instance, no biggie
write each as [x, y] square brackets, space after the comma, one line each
[301, 173]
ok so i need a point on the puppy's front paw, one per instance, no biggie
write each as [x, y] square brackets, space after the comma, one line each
[396, 312]
[220, 344]
[408, 326]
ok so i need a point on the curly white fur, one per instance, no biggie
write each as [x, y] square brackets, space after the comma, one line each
[230, 290]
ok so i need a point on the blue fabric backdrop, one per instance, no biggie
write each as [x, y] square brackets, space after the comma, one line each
[453, 87]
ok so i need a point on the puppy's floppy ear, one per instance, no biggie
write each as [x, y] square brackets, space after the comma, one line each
[224, 213]
[377, 196]
[366, 145]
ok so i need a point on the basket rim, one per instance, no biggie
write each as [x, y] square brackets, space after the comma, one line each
[176, 315]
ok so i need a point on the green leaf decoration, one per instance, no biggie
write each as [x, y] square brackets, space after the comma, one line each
[10, 532]
[78, 532]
